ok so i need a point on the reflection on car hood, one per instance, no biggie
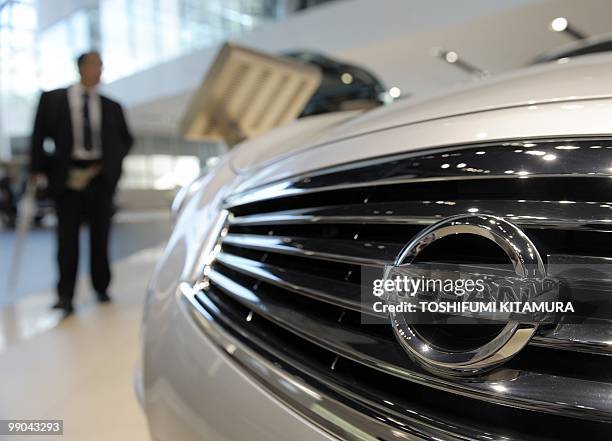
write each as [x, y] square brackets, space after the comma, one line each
[580, 78]
[257, 151]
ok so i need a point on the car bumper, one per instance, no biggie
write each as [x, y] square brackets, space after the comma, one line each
[192, 390]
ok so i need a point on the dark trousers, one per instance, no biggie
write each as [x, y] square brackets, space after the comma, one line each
[93, 205]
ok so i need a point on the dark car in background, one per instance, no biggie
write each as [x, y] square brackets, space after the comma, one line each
[343, 87]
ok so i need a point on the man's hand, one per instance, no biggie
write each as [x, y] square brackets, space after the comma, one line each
[39, 180]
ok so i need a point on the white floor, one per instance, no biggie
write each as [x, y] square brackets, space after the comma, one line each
[78, 370]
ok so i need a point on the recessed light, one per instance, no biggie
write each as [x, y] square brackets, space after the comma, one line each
[559, 24]
[395, 92]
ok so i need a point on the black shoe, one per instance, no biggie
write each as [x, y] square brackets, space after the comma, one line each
[67, 312]
[62, 304]
[103, 297]
[66, 307]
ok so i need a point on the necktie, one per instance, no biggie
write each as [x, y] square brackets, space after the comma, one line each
[87, 138]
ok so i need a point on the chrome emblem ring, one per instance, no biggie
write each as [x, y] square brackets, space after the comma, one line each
[526, 262]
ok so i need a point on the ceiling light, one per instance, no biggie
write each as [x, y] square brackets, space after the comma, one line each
[451, 57]
[559, 24]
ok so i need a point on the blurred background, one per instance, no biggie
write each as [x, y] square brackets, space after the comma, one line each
[156, 53]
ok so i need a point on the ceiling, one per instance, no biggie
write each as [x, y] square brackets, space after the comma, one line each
[498, 42]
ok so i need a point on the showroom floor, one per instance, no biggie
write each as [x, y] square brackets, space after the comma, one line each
[81, 369]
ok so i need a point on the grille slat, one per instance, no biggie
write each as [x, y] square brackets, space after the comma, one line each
[591, 215]
[457, 170]
[355, 252]
[336, 292]
[593, 337]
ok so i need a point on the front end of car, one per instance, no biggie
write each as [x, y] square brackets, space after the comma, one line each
[253, 325]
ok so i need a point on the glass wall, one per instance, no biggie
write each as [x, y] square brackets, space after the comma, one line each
[58, 45]
[18, 75]
[132, 35]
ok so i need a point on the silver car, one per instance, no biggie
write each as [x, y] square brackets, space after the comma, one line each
[253, 326]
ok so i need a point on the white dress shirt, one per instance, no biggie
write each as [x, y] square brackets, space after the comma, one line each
[75, 101]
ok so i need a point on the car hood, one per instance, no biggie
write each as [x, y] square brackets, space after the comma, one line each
[586, 77]
[279, 142]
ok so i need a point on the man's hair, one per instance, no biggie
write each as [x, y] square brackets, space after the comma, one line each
[81, 58]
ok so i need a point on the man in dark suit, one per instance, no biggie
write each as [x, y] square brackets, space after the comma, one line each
[91, 139]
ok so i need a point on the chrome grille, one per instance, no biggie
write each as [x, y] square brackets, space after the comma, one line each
[287, 275]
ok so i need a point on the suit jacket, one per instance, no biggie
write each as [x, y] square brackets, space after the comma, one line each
[53, 121]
